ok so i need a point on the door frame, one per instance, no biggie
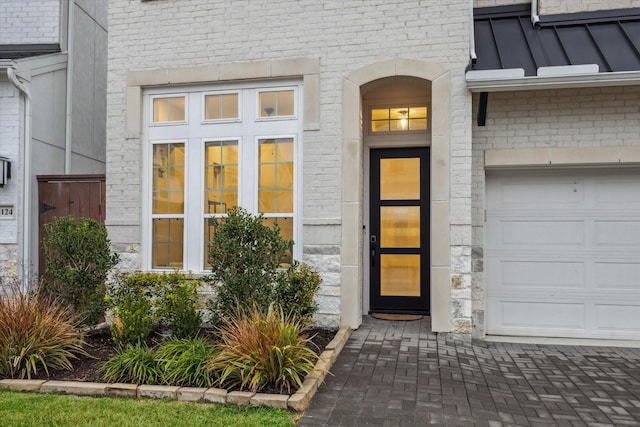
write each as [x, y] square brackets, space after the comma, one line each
[425, 228]
[353, 266]
[366, 225]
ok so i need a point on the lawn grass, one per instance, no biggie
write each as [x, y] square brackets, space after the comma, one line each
[33, 409]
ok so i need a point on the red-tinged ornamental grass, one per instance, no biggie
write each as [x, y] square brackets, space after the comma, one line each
[263, 349]
[36, 332]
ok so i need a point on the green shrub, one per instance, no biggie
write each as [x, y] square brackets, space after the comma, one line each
[260, 349]
[36, 332]
[245, 257]
[183, 362]
[177, 304]
[78, 258]
[141, 301]
[296, 290]
[131, 298]
[135, 364]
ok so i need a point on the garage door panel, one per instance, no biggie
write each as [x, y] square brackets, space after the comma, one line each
[554, 315]
[617, 233]
[547, 232]
[620, 193]
[617, 317]
[528, 195]
[541, 274]
[617, 275]
[562, 253]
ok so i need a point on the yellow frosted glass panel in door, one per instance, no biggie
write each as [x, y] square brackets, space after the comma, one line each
[400, 179]
[400, 226]
[399, 275]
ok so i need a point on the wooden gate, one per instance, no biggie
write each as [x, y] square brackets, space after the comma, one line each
[82, 196]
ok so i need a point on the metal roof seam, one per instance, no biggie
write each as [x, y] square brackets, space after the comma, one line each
[629, 39]
[599, 49]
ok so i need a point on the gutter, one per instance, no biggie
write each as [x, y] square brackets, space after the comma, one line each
[68, 127]
[26, 180]
[477, 82]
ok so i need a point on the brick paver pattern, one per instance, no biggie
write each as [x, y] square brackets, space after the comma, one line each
[394, 373]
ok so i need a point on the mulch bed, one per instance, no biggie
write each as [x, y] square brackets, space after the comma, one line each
[101, 348]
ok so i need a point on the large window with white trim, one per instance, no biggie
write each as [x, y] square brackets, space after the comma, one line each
[226, 146]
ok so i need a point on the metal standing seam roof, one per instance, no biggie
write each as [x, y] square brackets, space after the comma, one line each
[18, 51]
[506, 38]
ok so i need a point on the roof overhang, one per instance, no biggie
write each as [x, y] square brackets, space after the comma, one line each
[486, 81]
[590, 49]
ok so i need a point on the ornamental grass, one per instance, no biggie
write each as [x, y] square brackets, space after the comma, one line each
[36, 333]
[260, 350]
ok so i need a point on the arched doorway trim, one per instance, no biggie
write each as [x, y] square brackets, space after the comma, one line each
[352, 186]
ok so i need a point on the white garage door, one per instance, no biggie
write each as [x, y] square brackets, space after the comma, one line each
[562, 255]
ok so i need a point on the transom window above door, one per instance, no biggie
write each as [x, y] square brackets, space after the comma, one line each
[227, 146]
[398, 119]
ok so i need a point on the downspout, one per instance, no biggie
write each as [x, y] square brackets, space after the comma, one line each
[26, 180]
[69, 101]
[535, 18]
[472, 36]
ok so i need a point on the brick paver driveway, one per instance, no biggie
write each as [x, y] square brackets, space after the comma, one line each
[401, 374]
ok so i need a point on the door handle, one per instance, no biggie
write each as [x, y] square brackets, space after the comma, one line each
[373, 240]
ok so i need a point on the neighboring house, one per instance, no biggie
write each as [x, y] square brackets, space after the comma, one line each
[486, 175]
[52, 118]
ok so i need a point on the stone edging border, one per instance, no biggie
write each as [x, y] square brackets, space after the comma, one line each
[299, 401]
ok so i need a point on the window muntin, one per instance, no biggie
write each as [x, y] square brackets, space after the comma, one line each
[276, 103]
[401, 119]
[168, 109]
[221, 106]
[168, 203]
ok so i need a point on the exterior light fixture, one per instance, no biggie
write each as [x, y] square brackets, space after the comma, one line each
[5, 170]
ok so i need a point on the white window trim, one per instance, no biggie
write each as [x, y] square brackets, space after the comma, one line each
[238, 119]
[169, 122]
[245, 132]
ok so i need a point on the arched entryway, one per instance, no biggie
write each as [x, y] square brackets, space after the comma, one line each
[355, 173]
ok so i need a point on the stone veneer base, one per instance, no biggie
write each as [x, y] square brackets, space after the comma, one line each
[299, 401]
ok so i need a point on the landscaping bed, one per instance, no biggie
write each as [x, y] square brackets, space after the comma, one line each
[100, 347]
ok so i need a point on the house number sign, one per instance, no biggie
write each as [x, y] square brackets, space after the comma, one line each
[7, 212]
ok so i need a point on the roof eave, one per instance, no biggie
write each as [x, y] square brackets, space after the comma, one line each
[484, 84]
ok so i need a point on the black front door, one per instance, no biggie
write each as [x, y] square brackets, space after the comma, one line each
[399, 238]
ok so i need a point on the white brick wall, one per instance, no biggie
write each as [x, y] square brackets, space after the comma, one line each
[345, 35]
[9, 147]
[29, 21]
[591, 117]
